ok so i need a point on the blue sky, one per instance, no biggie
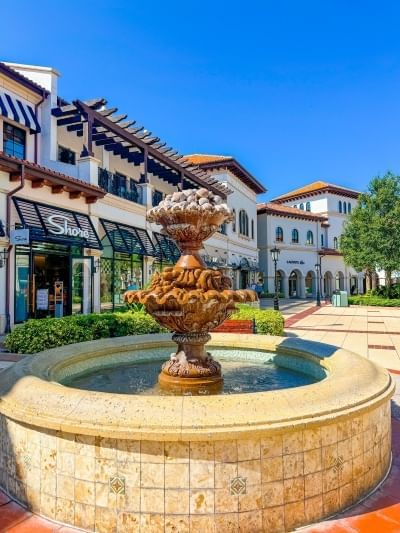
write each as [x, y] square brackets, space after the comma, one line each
[295, 90]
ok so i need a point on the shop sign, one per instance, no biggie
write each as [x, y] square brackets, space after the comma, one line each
[42, 299]
[61, 226]
[19, 236]
[291, 262]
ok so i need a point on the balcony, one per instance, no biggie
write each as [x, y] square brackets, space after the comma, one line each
[120, 185]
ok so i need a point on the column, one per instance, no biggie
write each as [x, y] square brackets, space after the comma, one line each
[360, 282]
[148, 269]
[285, 283]
[147, 194]
[96, 273]
[88, 169]
[3, 281]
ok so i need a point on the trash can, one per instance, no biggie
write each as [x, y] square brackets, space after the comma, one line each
[336, 298]
[344, 301]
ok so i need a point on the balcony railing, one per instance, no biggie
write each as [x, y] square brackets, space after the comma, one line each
[120, 185]
[157, 197]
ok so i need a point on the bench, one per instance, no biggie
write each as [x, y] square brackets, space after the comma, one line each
[236, 326]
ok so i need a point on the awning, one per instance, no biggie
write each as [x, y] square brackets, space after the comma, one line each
[15, 109]
[128, 239]
[56, 225]
[166, 249]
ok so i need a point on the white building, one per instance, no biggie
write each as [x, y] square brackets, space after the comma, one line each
[306, 224]
[79, 178]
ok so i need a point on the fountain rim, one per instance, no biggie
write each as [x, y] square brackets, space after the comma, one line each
[29, 394]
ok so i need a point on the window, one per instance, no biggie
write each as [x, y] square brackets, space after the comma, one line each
[252, 228]
[349, 208]
[234, 221]
[14, 141]
[295, 206]
[308, 206]
[340, 206]
[295, 236]
[310, 237]
[243, 223]
[279, 234]
[335, 243]
[65, 155]
[302, 207]
[223, 229]
[322, 240]
[344, 207]
[157, 197]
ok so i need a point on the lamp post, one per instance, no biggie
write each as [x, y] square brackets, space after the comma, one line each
[318, 272]
[275, 255]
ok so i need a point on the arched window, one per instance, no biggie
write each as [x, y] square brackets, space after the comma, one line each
[279, 234]
[308, 206]
[340, 206]
[234, 221]
[243, 223]
[252, 228]
[302, 207]
[335, 243]
[322, 240]
[295, 236]
[344, 208]
[310, 237]
[349, 208]
[295, 206]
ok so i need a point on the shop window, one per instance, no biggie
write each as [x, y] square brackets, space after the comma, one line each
[295, 236]
[65, 155]
[349, 208]
[310, 237]
[308, 206]
[14, 141]
[340, 206]
[335, 243]
[279, 234]
[302, 207]
[243, 223]
[234, 221]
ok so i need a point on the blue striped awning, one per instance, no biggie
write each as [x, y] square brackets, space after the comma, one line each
[14, 109]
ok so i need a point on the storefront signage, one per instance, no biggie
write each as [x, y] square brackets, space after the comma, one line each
[295, 262]
[61, 226]
[19, 236]
[42, 299]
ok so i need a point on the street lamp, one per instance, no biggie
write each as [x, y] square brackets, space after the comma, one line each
[275, 255]
[318, 271]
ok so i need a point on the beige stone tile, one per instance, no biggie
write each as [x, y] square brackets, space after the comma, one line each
[105, 520]
[65, 511]
[329, 435]
[85, 445]
[251, 470]
[152, 500]
[346, 473]
[33, 500]
[66, 487]
[66, 442]
[84, 492]
[201, 475]
[311, 438]
[227, 523]
[152, 475]
[128, 522]
[202, 452]
[271, 446]
[252, 500]
[128, 451]
[330, 502]
[294, 515]
[293, 442]
[151, 451]
[272, 469]
[250, 522]
[177, 524]
[201, 501]
[274, 519]
[225, 502]
[85, 467]
[84, 516]
[66, 463]
[224, 473]
[330, 480]
[313, 509]
[131, 473]
[104, 469]
[176, 501]
[48, 506]
[329, 455]
[312, 461]
[130, 501]
[313, 484]
[293, 489]
[177, 475]
[346, 495]
[345, 449]
[203, 524]
[106, 448]
[48, 482]
[153, 523]
[358, 466]
[272, 493]
[226, 451]
[176, 452]
[293, 465]
[104, 497]
[248, 449]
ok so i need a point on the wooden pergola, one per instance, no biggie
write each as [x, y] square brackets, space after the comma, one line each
[102, 126]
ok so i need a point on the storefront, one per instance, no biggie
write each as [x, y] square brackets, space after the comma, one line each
[53, 276]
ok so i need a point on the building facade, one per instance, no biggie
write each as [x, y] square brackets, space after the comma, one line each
[76, 181]
[306, 225]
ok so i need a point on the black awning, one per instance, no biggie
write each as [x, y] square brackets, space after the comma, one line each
[128, 239]
[166, 248]
[57, 225]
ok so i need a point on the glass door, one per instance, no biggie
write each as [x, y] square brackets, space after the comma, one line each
[81, 285]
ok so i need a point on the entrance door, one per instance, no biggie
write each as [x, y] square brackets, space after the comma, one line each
[244, 279]
[81, 285]
[293, 285]
[50, 285]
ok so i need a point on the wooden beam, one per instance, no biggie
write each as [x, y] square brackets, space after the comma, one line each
[91, 199]
[57, 189]
[73, 119]
[37, 183]
[15, 176]
[75, 194]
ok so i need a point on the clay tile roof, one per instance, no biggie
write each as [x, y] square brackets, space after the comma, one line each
[283, 210]
[314, 187]
[23, 80]
[210, 161]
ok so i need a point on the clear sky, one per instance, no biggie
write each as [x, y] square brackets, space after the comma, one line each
[296, 90]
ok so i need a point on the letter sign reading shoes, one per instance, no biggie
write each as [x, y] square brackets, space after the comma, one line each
[60, 226]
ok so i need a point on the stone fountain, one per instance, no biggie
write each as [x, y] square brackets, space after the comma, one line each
[190, 299]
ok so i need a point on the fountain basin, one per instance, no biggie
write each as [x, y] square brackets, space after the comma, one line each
[265, 461]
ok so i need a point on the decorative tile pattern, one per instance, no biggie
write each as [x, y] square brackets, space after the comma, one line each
[117, 485]
[27, 462]
[238, 486]
[338, 464]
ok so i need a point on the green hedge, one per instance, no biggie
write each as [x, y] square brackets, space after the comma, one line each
[268, 322]
[36, 335]
[369, 299]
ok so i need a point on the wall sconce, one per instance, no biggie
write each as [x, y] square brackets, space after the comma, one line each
[3, 257]
[96, 265]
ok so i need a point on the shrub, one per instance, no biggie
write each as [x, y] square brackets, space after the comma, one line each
[271, 295]
[370, 299]
[43, 334]
[268, 322]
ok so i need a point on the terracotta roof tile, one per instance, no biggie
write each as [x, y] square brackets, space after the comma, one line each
[314, 187]
[198, 159]
[283, 210]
